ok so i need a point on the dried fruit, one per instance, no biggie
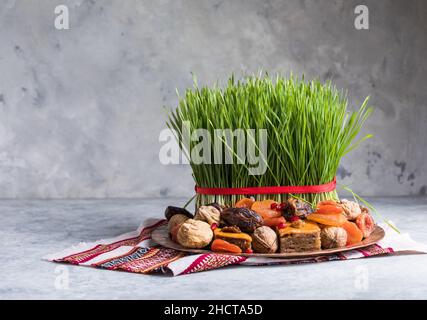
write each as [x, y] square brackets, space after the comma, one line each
[214, 226]
[329, 209]
[272, 222]
[194, 234]
[245, 203]
[296, 207]
[231, 229]
[246, 219]
[209, 214]
[263, 208]
[249, 250]
[264, 240]
[171, 211]
[235, 236]
[175, 220]
[326, 202]
[351, 209]
[354, 234]
[333, 237]
[282, 226]
[282, 206]
[336, 219]
[365, 223]
[219, 245]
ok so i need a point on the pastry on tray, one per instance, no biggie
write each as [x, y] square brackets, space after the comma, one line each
[234, 236]
[299, 236]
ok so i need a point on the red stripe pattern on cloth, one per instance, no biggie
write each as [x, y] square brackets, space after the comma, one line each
[212, 261]
[99, 249]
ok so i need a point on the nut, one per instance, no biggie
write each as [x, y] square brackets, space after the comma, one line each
[194, 234]
[209, 214]
[333, 237]
[231, 229]
[176, 220]
[364, 209]
[220, 207]
[264, 240]
[298, 224]
[351, 209]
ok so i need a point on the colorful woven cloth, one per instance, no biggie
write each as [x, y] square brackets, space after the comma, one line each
[136, 252]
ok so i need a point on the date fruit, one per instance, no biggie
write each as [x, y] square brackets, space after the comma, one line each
[244, 218]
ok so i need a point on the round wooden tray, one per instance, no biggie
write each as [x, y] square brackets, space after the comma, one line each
[161, 236]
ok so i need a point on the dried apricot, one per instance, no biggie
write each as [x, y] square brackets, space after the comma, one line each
[354, 234]
[327, 202]
[272, 222]
[329, 209]
[245, 203]
[366, 223]
[219, 245]
[263, 208]
[335, 219]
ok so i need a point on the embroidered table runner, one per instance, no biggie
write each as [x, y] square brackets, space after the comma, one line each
[136, 252]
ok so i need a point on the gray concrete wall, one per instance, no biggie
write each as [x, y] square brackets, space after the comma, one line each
[81, 109]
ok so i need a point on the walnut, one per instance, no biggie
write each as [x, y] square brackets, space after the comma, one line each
[194, 234]
[231, 229]
[209, 214]
[333, 237]
[176, 220]
[264, 240]
[351, 209]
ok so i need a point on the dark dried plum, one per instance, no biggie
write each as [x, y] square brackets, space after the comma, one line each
[171, 211]
[245, 219]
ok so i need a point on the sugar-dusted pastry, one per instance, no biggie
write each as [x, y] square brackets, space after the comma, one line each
[351, 209]
[208, 213]
[300, 236]
[176, 220]
[264, 240]
[235, 236]
[194, 234]
[333, 237]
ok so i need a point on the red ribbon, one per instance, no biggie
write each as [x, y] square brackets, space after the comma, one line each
[330, 186]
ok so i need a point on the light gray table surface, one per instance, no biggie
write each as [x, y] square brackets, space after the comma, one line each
[30, 229]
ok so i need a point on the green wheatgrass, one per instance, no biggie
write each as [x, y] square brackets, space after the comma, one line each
[308, 124]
